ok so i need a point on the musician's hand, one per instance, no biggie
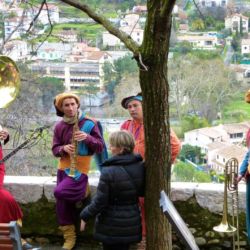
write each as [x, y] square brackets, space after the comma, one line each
[69, 149]
[239, 178]
[3, 134]
[80, 135]
[83, 224]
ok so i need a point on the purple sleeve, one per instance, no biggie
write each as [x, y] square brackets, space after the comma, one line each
[94, 140]
[57, 147]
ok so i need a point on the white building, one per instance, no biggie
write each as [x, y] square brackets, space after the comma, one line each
[54, 51]
[17, 50]
[212, 3]
[200, 42]
[223, 154]
[234, 22]
[74, 75]
[110, 40]
[228, 133]
[15, 27]
[245, 46]
[52, 12]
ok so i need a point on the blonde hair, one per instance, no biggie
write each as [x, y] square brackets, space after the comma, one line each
[122, 139]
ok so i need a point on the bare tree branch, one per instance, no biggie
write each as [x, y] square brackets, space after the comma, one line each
[200, 13]
[50, 24]
[13, 31]
[36, 16]
[124, 37]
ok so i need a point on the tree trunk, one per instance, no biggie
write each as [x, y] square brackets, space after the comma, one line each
[155, 91]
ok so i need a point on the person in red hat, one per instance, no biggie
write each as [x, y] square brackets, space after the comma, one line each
[135, 125]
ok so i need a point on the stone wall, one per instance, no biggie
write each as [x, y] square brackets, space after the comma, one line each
[200, 206]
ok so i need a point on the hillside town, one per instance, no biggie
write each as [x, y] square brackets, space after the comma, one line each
[78, 81]
[78, 61]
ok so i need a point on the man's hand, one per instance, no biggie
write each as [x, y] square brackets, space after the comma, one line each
[83, 224]
[239, 178]
[3, 134]
[69, 149]
[80, 135]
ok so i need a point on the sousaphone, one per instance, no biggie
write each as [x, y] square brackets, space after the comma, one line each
[9, 81]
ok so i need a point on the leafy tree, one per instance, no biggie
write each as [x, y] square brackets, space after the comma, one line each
[49, 87]
[193, 122]
[192, 153]
[198, 24]
[113, 73]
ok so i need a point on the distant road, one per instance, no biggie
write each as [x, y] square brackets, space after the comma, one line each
[229, 55]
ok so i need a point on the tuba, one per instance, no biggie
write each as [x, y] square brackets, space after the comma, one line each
[230, 184]
[9, 81]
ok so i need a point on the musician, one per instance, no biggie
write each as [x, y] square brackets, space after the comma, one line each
[244, 173]
[9, 208]
[135, 125]
[71, 190]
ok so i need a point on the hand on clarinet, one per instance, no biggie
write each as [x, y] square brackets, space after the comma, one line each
[69, 148]
[80, 135]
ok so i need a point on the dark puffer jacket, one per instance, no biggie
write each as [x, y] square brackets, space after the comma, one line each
[118, 217]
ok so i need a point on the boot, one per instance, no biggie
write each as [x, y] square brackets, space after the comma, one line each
[69, 236]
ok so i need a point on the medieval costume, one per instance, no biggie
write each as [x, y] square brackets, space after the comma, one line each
[71, 190]
[137, 129]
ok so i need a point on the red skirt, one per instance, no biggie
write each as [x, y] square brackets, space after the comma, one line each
[9, 209]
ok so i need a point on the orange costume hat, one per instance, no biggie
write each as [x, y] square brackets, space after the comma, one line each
[58, 101]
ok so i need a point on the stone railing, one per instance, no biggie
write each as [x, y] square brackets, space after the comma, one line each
[199, 204]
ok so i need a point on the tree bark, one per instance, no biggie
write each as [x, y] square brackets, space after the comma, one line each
[155, 91]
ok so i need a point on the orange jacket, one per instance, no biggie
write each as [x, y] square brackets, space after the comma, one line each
[137, 129]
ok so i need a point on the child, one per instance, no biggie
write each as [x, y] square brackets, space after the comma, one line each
[118, 217]
[244, 172]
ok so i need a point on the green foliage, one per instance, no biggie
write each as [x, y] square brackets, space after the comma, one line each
[198, 24]
[206, 55]
[185, 172]
[192, 153]
[184, 47]
[193, 122]
[49, 87]
[113, 72]
[200, 176]
[236, 42]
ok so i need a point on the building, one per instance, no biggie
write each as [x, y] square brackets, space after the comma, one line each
[74, 75]
[52, 12]
[112, 41]
[235, 21]
[54, 51]
[223, 154]
[15, 27]
[200, 42]
[17, 50]
[212, 3]
[68, 36]
[227, 133]
[245, 46]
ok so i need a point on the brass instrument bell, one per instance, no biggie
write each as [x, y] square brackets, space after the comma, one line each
[9, 81]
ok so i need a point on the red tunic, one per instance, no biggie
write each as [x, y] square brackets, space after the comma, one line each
[9, 209]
